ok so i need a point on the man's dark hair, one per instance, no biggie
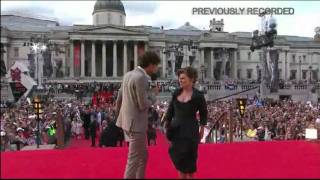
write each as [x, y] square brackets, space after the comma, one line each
[149, 58]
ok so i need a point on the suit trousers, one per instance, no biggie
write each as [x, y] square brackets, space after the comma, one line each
[137, 156]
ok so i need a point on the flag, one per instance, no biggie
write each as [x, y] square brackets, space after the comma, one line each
[76, 54]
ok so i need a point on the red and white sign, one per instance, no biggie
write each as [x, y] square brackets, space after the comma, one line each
[16, 74]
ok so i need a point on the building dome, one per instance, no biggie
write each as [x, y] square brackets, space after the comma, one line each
[188, 27]
[107, 5]
[109, 12]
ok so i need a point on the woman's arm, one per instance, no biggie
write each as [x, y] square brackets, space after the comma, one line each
[170, 111]
[168, 114]
[203, 111]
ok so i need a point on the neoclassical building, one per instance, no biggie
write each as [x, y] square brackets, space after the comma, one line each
[108, 48]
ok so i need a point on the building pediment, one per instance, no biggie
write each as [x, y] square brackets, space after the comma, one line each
[109, 30]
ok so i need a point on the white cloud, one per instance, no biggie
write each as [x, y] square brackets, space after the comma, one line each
[172, 14]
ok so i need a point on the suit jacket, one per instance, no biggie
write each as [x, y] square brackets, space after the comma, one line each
[133, 101]
[93, 127]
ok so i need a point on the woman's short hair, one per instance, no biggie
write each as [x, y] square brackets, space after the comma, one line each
[190, 72]
[149, 58]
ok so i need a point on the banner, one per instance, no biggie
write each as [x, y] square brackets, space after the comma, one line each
[101, 98]
[17, 90]
[140, 49]
[76, 56]
[230, 86]
[311, 133]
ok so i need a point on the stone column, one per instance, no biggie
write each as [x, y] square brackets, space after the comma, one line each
[211, 64]
[173, 64]
[164, 63]
[310, 64]
[185, 61]
[64, 62]
[82, 59]
[93, 59]
[71, 64]
[224, 63]
[202, 56]
[201, 63]
[145, 46]
[115, 67]
[104, 59]
[198, 59]
[53, 64]
[135, 56]
[286, 62]
[299, 67]
[288, 66]
[235, 64]
[125, 58]
[317, 58]
[282, 60]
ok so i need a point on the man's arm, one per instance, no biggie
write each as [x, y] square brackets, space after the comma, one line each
[152, 95]
[141, 91]
[119, 100]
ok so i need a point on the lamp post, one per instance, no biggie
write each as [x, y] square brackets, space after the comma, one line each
[242, 103]
[286, 64]
[39, 45]
[38, 109]
[263, 40]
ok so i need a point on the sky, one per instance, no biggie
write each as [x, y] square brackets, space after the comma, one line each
[173, 14]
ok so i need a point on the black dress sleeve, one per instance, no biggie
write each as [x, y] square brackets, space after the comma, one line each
[203, 111]
[170, 111]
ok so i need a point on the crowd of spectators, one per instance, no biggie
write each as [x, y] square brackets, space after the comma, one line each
[81, 121]
[19, 123]
[263, 120]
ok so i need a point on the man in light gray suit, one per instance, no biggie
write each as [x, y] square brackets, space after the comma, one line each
[134, 99]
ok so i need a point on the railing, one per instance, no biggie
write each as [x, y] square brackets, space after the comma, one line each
[213, 133]
[298, 87]
[214, 87]
[82, 79]
[230, 88]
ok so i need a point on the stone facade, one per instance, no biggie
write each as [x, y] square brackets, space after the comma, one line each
[108, 49]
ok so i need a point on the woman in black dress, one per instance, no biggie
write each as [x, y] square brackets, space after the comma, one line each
[182, 125]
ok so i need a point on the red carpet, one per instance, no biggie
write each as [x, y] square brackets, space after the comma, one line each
[291, 159]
